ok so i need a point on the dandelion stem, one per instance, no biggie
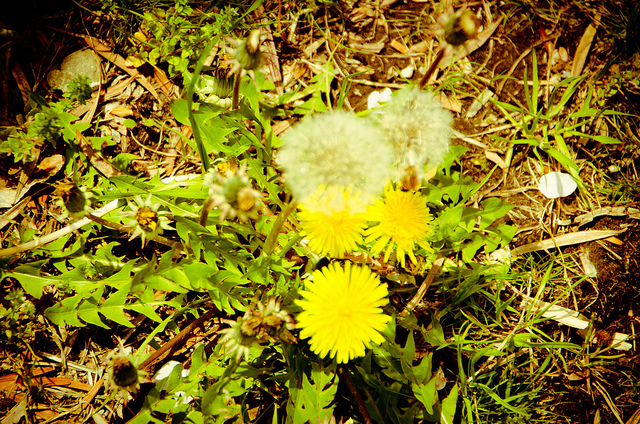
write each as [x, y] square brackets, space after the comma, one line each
[270, 243]
[346, 377]
[236, 91]
[435, 270]
[427, 76]
[123, 229]
[202, 152]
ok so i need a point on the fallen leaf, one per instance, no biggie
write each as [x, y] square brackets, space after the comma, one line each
[566, 240]
[582, 51]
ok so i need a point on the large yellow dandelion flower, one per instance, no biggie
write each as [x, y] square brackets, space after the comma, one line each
[333, 220]
[342, 311]
[403, 221]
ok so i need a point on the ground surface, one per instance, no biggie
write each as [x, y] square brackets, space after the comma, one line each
[368, 45]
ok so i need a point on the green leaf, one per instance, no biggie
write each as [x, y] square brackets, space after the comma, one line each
[113, 308]
[426, 393]
[449, 406]
[312, 401]
[29, 278]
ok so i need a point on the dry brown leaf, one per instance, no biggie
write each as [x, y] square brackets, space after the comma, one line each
[121, 111]
[104, 51]
[582, 51]
[396, 45]
[493, 157]
[103, 166]
[566, 240]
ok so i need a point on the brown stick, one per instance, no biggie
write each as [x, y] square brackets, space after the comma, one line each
[427, 76]
[435, 270]
[180, 337]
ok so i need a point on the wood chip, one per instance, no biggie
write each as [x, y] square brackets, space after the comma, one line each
[396, 45]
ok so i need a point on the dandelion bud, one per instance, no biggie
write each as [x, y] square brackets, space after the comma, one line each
[460, 29]
[74, 199]
[124, 373]
[146, 219]
[233, 195]
[248, 55]
[222, 82]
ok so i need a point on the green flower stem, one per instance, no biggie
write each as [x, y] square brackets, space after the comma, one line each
[204, 157]
[270, 243]
[123, 229]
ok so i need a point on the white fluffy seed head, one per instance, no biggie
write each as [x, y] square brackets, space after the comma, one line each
[417, 127]
[335, 150]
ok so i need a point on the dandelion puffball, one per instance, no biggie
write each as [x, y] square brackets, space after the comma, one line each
[335, 150]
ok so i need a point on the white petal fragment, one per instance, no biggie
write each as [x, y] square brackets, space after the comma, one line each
[557, 184]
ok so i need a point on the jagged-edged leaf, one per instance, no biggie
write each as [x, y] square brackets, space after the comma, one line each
[64, 312]
[72, 310]
[312, 401]
[29, 278]
[113, 308]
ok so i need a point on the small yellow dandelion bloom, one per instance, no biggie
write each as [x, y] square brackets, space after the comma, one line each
[342, 311]
[403, 221]
[333, 220]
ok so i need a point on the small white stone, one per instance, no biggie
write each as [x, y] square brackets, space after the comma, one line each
[407, 72]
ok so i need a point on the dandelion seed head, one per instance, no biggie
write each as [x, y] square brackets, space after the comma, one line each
[333, 220]
[417, 127]
[335, 149]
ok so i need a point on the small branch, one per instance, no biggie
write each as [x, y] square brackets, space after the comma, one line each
[180, 337]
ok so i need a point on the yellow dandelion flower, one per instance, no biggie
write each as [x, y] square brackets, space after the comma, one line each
[342, 311]
[333, 220]
[403, 221]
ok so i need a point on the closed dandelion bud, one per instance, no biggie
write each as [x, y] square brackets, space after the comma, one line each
[460, 29]
[231, 188]
[147, 219]
[124, 373]
[248, 55]
[74, 199]
[233, 195]
[247, 199]
[222, 82]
